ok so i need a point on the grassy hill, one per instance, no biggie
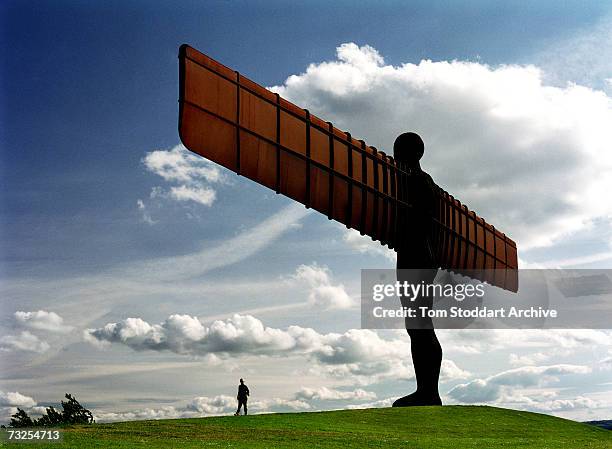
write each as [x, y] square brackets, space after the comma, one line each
[421, 427]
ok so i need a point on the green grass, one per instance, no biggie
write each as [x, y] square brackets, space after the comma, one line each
[420, 427]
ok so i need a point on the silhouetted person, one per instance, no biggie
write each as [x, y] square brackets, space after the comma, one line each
[243, 397]
[415, 253]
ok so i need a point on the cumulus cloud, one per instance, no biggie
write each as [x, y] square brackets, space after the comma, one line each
[493, 388]
[322, 291]
[192, 175]
[202, 195]
[556, 405]
[494, 135]
[199, 406]
[529, 359]
[365, 245]
[180, 165]
[25, 341]
[474, 341]
[450, 371]
[202, 406]
[359, 352]
[331, 394]
[16, 399]
[381, 403]
[10, 401]
[42, 320]
[278, 405]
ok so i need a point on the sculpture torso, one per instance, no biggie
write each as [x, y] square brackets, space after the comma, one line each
[415, 227]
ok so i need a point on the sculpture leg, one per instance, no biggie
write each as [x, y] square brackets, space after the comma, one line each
[424, 345]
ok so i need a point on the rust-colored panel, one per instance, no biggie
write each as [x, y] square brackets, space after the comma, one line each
[340, 157]
[234, 121]
[356, 159]
[292, 109]
[319, 189]
[257, 116]
[258, 160]
[209, 91]
[480, 254]
[188, 53]
[340, 199]
[471, 254]
[379, 164]
[319, 146]
[500, 247]
[511, 255]
[257, 90]
[292, 132]
[369, 222]
[370, 171]
[452, 261]
[356, 208]
[293, 176]
[490, 242]
[217, 142]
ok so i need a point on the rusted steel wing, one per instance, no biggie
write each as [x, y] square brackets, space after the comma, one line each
[235, 122]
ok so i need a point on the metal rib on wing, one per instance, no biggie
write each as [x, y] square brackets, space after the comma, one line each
[229, 119]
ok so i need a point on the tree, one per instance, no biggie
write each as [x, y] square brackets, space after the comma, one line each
[51, 418]
[21, 419]
[72, 413]
[75, 413]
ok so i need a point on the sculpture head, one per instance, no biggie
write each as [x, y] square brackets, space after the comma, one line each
[408, 149]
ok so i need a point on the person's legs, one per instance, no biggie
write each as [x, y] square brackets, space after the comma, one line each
[424, 345]
[245, 407]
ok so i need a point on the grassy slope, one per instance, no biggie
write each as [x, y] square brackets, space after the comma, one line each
[422, 427]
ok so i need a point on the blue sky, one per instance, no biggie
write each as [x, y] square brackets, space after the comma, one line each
[92, 233]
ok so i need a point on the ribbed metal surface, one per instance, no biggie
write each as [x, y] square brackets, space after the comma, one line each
[229, 119]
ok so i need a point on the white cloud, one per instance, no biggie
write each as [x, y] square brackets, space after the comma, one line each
[10, 401]
[557, 405]
[16, 399]
[228, 252]
[199, 406]
[167, 412]
[180, 165]
[494, 387]
[365, 245]
[331, 394]
[42, 320]
[359, 352]
[381, 403]
[203, 195]
[474, 341]
[323, 293]
[494, 135]
[278, 405]
[211, 406]
[584, 57]
[144, 213]
[193, 174]
[203, 406]
[529, 359]
[25, 341]
[450, 371]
